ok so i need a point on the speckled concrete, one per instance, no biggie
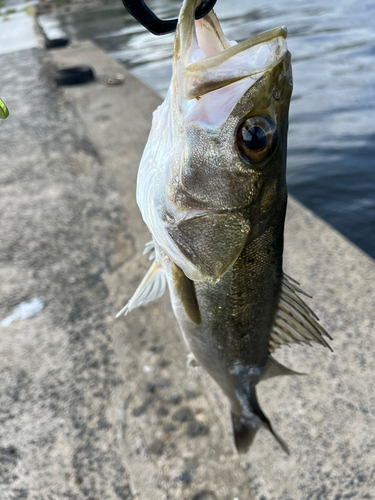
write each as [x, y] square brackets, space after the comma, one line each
[92, 407]
[60, 216]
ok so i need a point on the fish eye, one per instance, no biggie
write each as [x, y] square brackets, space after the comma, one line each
[256, 139]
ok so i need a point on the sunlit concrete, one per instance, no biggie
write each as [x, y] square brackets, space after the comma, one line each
[17, 32]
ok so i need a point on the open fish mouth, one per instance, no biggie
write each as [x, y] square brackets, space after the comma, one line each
[206, 61]
[194, 190]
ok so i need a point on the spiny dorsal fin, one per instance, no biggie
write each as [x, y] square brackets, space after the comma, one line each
[152, 287]
[273, 369]
[186, 293]
[295, 322]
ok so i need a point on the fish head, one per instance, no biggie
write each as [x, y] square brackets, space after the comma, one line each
[222, 145]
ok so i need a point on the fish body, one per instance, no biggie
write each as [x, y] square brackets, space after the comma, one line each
[212, 191]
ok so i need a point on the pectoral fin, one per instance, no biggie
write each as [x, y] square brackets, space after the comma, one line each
[185, 290]
[152, 287]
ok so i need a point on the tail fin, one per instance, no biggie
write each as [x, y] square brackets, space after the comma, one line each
[244, 432]
[244, 429]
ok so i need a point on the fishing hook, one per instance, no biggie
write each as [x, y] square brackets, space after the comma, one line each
[144, 15]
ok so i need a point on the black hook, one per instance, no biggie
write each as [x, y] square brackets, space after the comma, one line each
[144, 15]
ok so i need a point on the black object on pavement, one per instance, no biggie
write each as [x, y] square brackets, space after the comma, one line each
[55, 42]
[74, 75]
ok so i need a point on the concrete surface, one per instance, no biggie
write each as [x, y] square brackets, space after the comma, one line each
[60, 214]
[17, 30]
[93, 407]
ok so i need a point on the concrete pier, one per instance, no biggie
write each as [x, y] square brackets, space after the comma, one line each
[97, 408]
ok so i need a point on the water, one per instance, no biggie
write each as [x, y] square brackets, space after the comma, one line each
[332, 128]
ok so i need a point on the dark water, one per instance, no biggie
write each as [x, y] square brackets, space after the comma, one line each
[331, 158]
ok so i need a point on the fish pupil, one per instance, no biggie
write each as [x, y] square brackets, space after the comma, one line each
[254, 138]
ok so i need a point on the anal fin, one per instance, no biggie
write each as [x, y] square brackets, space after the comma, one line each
[152, 287]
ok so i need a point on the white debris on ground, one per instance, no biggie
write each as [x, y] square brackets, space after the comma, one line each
[25, 310]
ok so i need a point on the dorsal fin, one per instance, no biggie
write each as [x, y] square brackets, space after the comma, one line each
[295, 322]
[152, 287]
[273, 369]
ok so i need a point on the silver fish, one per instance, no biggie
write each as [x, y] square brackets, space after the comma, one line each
[212, 191]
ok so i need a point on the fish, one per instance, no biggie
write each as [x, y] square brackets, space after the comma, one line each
[212, 191]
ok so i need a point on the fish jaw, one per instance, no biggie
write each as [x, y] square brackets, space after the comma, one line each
[205, 61]
[196, 194]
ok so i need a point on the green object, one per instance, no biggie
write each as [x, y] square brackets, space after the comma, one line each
[4, 112]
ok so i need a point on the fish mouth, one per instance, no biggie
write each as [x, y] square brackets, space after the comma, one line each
[208, 61]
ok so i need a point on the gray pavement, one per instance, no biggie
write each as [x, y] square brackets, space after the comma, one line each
[17, 30]
[60, 213]
[93, 407]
